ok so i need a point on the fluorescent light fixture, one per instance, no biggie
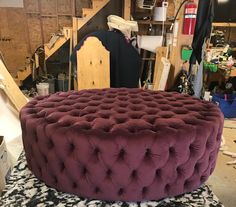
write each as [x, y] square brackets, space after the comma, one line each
[223, 1]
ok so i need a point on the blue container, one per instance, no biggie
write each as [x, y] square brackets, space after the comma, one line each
[227, 104]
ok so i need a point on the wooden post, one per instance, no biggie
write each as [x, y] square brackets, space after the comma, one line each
[127, 9]
[11, 89]
[70, 65]
[74, 31]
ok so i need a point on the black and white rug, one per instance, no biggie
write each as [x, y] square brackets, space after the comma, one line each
[24, 189]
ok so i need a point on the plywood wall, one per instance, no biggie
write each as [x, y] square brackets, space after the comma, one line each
[22, 30]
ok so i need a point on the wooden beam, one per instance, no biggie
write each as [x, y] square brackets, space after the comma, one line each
[127, 9]
[224, 24]
[11, 89]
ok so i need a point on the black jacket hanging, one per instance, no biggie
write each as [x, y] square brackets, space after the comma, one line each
[205, 15]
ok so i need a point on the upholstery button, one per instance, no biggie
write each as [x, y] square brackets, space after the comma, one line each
[50, 144]
[148, 153]
[144, 190]
[191, 147]
[72, 147]
[208, 144]
[134, 174]
[167, 188]
[109, 172]
[62, 166]
[97, 190]
[121, 154]
[74, 185]
[196, 167]
[96, 151]
[179, 171]
[158, 172]
[172, 151]
[121, 191]
[84, 171]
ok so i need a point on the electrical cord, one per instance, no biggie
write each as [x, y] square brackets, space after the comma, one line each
[177, 13]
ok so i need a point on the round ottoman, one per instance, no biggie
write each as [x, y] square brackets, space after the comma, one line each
[121, 144]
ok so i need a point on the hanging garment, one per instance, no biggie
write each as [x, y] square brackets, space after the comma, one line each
[125, 61]
[205, 15]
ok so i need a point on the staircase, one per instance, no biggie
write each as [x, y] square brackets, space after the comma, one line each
[67, 33]
[78, 23]
[22, 75]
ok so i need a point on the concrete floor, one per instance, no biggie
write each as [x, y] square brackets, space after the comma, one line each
[223, 179]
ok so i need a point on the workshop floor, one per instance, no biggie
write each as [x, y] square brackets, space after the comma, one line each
[222, 181]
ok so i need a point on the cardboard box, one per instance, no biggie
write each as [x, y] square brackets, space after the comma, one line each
[5, 164]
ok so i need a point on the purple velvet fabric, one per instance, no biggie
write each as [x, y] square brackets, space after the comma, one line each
[121, 144]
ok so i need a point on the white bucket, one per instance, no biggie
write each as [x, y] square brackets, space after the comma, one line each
[160, 13]
[43, 89]
[150, 43]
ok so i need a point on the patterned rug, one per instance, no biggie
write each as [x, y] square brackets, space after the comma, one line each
[24, 189]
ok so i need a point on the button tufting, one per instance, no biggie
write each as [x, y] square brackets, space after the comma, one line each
[96, 151]
[121, 154]
[196, 167]
[62, 166]
[72, 147]
[179, 171]
[167, 188]
[172, 151]
[109, 172]
[208, 144]
[50, 144]
[84, 171]
[158, 172]
[74, 185]
[191, 147]
[137, 122]
[134, 174]
[121, 192]
[144, 190]
[97, 190]
[148, 153]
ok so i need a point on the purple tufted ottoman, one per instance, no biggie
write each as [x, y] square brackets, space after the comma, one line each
[121, 144]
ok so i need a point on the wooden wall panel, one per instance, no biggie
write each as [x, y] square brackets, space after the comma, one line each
[13, 27]
[171, 8]
[64, 21]
[81, 4]
[64, 6]
[31, 6]
[49, 27]
[35, 34]
[48, 7]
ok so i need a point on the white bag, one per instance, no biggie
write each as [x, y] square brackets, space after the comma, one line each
[150, 43]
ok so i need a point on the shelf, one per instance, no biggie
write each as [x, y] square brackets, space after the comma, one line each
[224, 24]
[153, 22]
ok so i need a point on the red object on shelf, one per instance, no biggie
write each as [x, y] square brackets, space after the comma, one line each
[190, 17]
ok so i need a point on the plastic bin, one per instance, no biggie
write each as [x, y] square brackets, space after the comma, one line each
[227, 104]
